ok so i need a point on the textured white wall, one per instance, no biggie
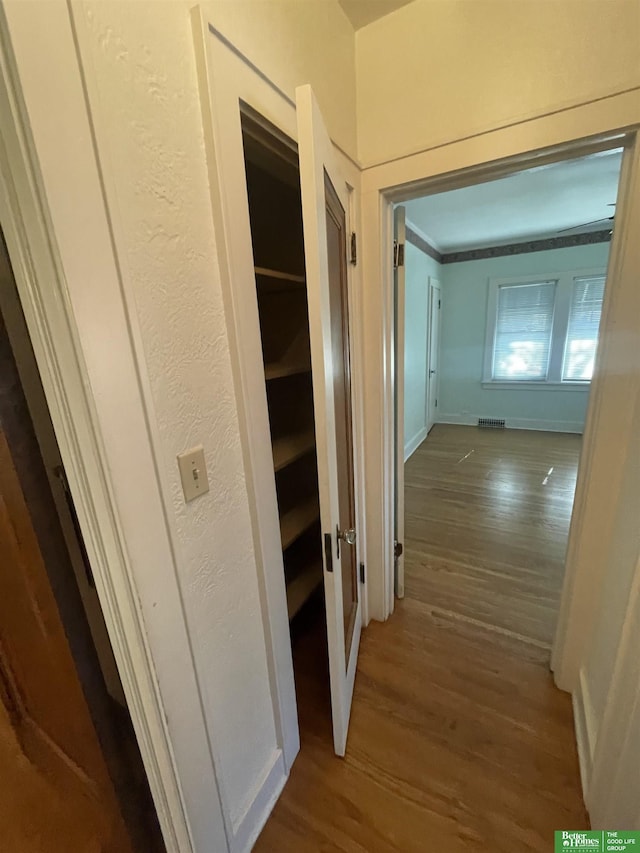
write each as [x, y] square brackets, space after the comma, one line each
[431, 73]
[138, 65]
[297, 42]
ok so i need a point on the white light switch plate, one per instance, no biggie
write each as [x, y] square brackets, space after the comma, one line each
[193, 473]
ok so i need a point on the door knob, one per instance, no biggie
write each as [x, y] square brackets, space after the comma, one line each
[348, 536]
[431, 372]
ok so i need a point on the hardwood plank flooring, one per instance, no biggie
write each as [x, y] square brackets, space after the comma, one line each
[458, 740]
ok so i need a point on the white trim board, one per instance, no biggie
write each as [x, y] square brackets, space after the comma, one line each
[262, 799]
[414, 443]
[584, 731]
[516, 423]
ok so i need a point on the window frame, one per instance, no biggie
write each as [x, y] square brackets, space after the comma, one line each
[559, 329]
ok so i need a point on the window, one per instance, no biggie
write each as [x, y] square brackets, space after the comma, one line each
[523, 331]
[582, 334]
[543, 331]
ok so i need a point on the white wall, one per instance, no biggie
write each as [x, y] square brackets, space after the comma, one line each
[462, 398]
[298, 42]
[138, 66]
[431, 73]
[137, 61]
[418, 267]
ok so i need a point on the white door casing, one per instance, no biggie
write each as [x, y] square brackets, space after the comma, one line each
[433, 348]
[399, 240]
[317, 158]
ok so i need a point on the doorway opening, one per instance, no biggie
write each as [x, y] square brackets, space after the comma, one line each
[504, 283]
[72, 763]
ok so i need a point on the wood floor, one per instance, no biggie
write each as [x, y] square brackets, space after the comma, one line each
[459, 740]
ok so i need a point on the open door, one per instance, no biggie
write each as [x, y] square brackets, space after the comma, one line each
[324, 206]
[399, 235]
[42, 695]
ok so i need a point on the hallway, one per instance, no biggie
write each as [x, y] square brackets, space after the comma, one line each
[458, 740]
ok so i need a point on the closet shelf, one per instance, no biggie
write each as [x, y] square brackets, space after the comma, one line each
[288, 448]
[294, 523]
[300, 589]
[278, 369]
[283, 276]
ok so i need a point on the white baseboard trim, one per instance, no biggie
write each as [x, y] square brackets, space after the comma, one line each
[249, 825]
[414, 443]
[585, 731]
[516, 423]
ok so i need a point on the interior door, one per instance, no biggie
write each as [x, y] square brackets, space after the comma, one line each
[434, 351]
[40, 687]
[399, 235]
[325, 201]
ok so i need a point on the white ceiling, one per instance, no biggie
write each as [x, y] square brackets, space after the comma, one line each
[530, 205]
[363, 12]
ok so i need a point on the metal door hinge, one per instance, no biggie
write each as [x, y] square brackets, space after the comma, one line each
[398, 548]
[398, 254]
[436, 401]
[60, 474]
[361, 572]
[354, 249]
[439, 303]
[328, 554]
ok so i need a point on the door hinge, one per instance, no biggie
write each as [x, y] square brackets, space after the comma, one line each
[439, 304]
[398, 548]
[361, 572]
[61, 476]
[436, 401]
[354, 249]
[328, 554]
[398, 254]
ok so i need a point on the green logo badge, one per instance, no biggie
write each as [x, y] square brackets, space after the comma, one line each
[597, 841]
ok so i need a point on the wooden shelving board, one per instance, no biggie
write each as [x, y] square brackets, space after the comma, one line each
[288, 448]
[283, 276]
[278, 369]
[303, 586]
[297, 520]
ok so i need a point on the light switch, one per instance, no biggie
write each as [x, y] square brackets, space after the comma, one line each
[193, 473]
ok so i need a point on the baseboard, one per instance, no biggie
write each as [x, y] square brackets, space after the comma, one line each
[585, 731]
[516, 423]
[267, 789]
[414, 443]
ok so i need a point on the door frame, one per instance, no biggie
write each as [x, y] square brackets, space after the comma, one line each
[39, 273]
[228, 79]
[400, 298]
[576, 131]
[433, 284]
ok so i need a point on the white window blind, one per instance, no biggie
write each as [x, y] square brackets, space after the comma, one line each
[582, 333]
[524, 326]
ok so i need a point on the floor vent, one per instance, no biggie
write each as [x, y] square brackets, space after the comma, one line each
[491, 423]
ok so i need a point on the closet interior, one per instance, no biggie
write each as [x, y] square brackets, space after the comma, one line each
[275, 210]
